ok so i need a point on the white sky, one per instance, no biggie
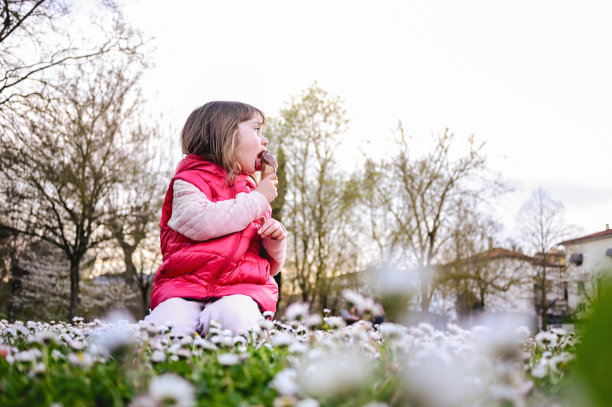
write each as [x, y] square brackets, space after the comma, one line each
[531, 78]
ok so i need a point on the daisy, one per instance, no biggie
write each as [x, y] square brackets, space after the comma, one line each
[228, 359]
[284, 382]
[546, 339]
[171, 389]
[158, 356]
[297, 311]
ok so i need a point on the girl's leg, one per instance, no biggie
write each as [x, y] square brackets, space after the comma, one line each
[235, 312]
[184, 315]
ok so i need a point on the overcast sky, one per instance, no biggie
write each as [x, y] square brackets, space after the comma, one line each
[531, 78]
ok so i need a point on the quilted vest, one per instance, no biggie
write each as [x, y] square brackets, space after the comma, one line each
[226, 265]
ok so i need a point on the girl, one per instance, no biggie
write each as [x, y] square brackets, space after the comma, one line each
[219, 244]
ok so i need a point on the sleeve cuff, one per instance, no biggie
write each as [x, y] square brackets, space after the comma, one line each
[261, 201]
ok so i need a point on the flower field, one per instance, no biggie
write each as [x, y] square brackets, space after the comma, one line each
[305, 360]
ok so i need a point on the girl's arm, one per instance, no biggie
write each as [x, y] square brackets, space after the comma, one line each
[198, 218]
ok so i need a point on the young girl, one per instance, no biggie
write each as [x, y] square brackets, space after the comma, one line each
[219, 244]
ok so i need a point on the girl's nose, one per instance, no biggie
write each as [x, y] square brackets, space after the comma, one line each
[264, 141]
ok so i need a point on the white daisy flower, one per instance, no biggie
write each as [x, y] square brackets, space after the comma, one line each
[313, 320]
[333, 373]
[114, 337]
[284, 382]
[335, 322]
[144, 400]
[39, 368]
[298, 348]
[187, 340]
[389, 330]
[297, 311]
[266, 325]
[183, 353]
[208, 345]
[171, 389]
[559, 363]
[80, 359]
[228, 359]
[158, 356]
[282, 339]
[239, 340]
[546, 339]
[284, 401]
[308, 402]
[215, 324]
[539, 371]
[76, 345]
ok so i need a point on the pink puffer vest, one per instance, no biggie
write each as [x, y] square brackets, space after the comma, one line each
[226, 265]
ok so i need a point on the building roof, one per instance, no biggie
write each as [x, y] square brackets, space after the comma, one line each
[493, 253]
[594, 236]
[501, 253]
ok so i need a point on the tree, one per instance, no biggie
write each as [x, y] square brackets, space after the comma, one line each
[478, 273]
[65, 152]
[135, 205]
[38, 36]
[542, 226]
[411, 201]
[319, 198]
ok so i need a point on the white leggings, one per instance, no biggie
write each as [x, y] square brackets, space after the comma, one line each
[235, 312]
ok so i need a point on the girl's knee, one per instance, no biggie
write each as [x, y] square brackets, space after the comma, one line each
[237, 313]
[179, 314]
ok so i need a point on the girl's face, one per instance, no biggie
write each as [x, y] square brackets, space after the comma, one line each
[251, 143]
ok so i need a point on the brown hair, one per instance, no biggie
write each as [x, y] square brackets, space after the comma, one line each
[211, 132]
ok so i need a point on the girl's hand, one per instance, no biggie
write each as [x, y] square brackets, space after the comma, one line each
[273, 229]
[267, 187]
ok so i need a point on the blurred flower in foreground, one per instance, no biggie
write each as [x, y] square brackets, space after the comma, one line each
[334, 372]
[284, 382]
[116, 337]
[297, 311]
[171, 390]
[228, 359]
[500, 336]
[437, 380]
[395, 287]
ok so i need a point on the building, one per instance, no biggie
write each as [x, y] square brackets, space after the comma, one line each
[588, 259]
[506, 281]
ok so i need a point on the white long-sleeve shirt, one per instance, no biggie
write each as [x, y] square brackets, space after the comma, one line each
[198, 218]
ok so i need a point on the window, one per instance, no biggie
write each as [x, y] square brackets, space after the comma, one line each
[609, 252]
[576, 258]
[565, 294]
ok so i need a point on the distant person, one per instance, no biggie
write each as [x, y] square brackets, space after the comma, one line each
[350, 315]
[378, 314]
[219, 243]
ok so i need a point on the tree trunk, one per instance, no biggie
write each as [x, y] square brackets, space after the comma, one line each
[130, 268]
[15, 285]
[544, 301]
[144, 295]
[425, 298]
[279, 281]
[483, 292]
[74, 287]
